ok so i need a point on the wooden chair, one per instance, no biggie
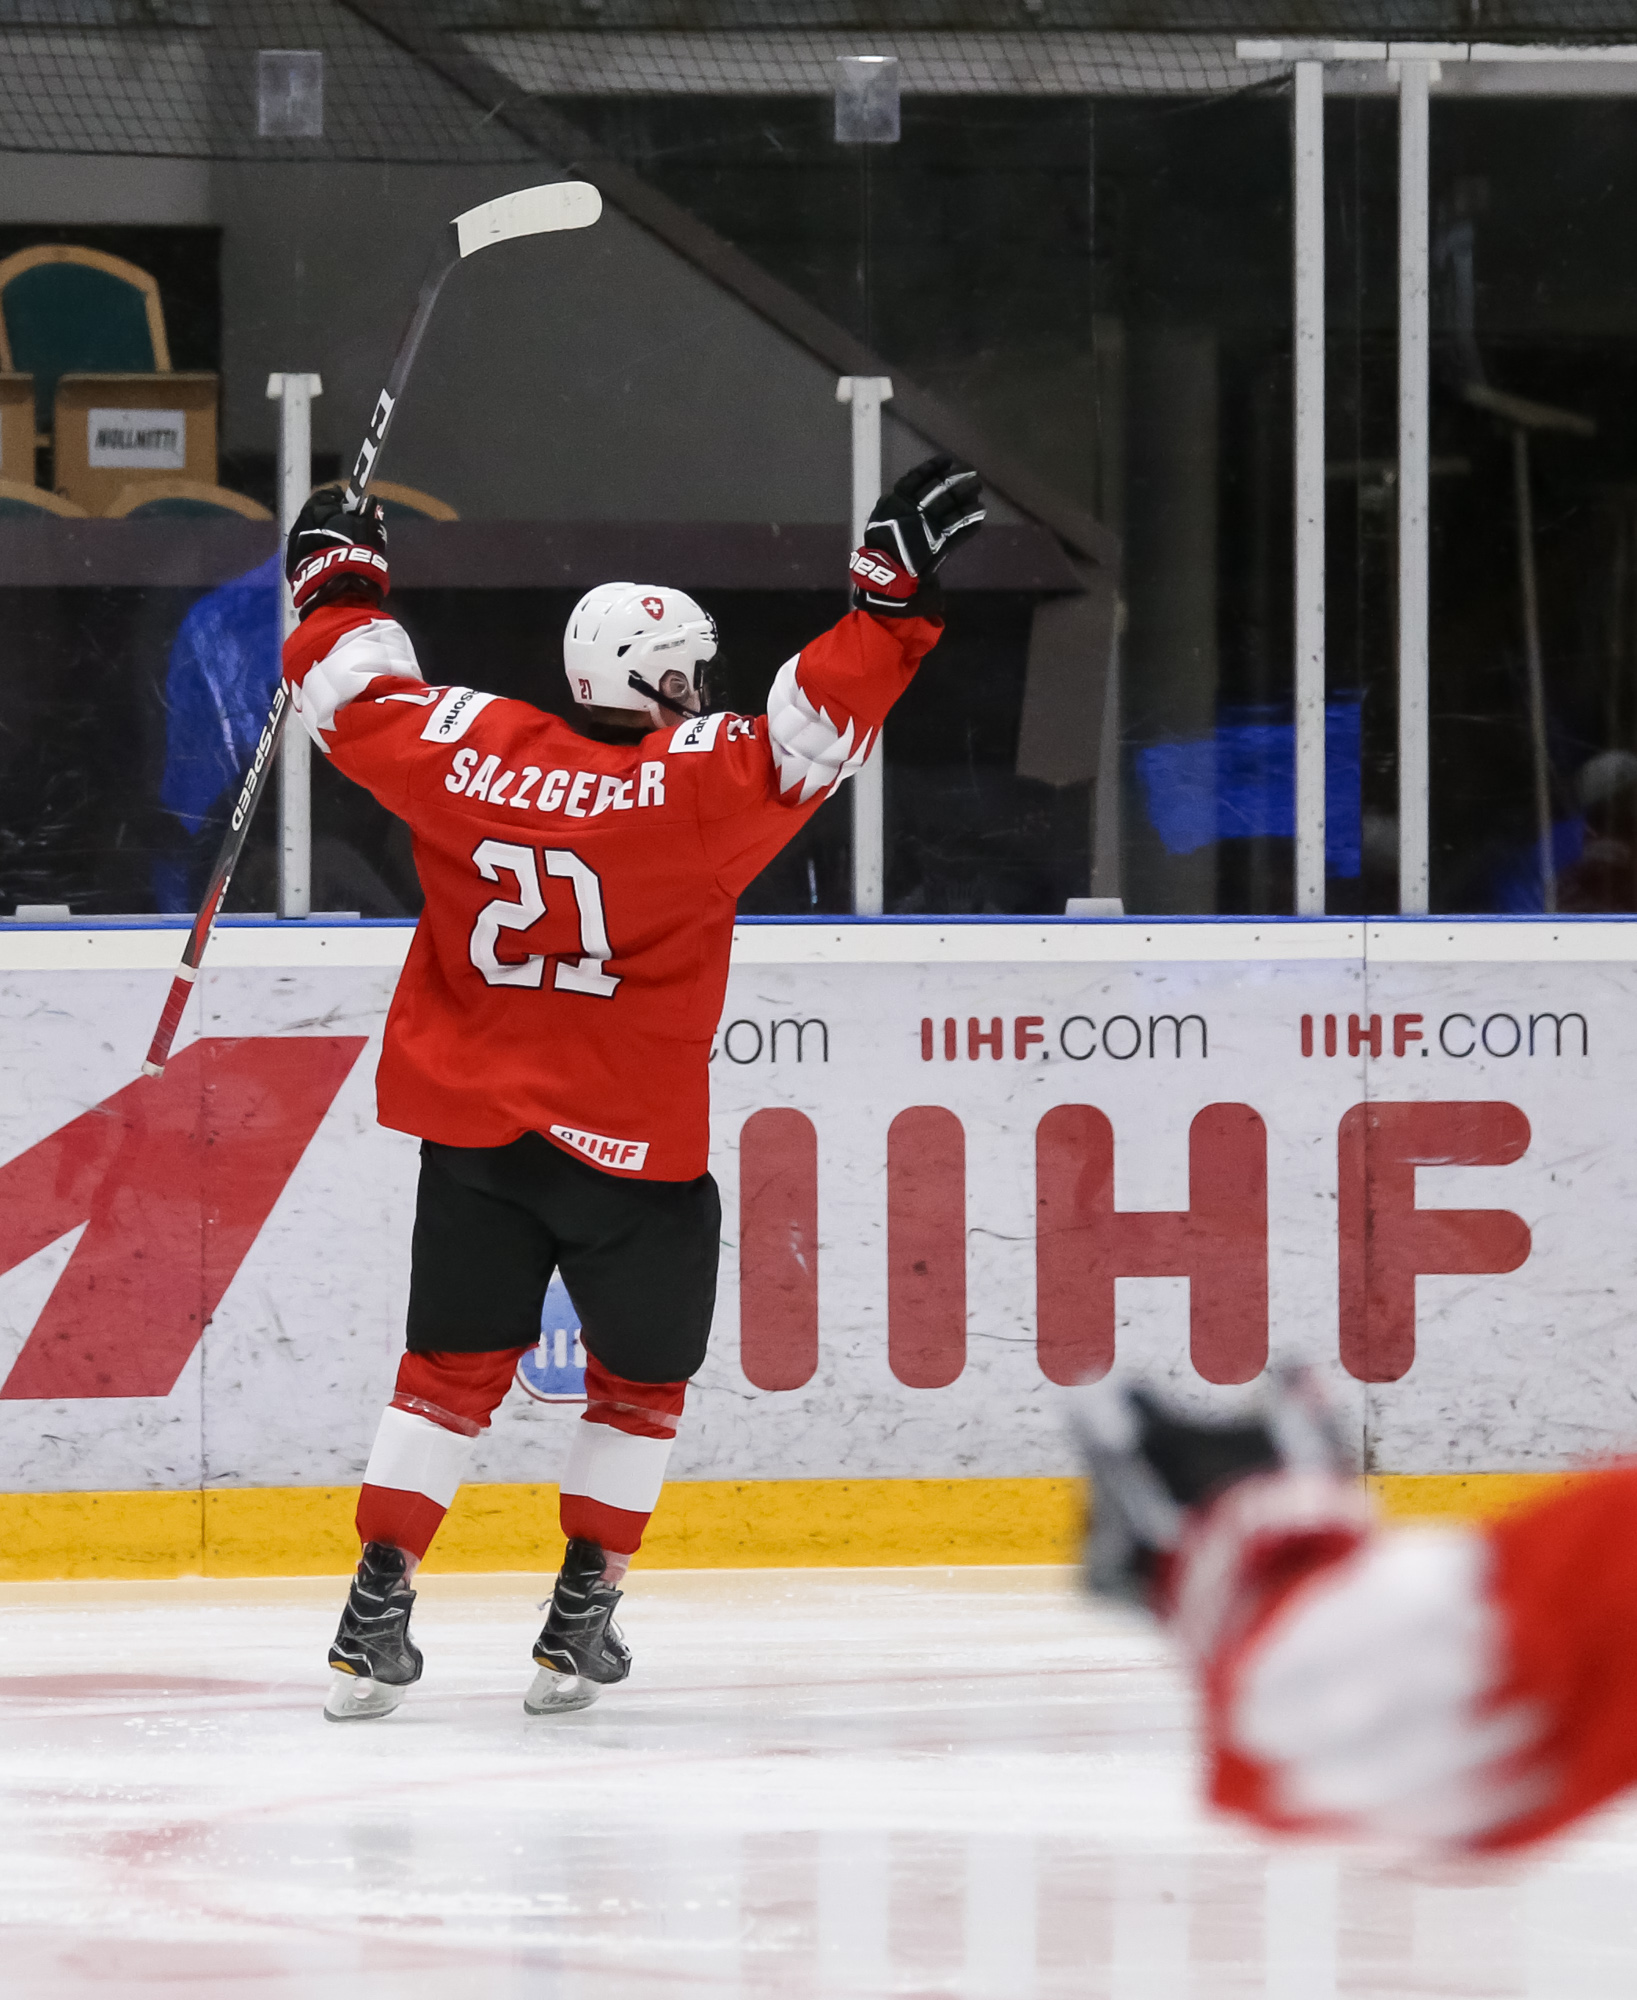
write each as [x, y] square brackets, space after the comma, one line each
[181, 499]
[114, 431]
[20, 502]
[17, 429]
[68, 310]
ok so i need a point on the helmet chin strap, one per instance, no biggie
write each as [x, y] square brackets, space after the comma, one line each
[653, 694]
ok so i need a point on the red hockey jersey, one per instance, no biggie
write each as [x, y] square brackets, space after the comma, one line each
[568, 971]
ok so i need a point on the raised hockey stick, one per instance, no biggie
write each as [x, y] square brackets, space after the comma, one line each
[533, 211]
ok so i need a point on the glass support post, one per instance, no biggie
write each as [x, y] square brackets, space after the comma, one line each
[1307, 173]
[866, 394]
[1414, 79]
[294, 395]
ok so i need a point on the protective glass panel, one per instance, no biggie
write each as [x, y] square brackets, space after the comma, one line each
[1191, 347]
[1534, 730]
[1065, 249]
[1361, 497]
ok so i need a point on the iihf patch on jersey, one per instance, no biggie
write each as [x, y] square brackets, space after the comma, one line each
[700, 734]
[554, 1371]
[626, 1155]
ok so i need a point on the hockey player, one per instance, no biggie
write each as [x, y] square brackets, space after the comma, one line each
[549, 1038]
[1466, 1688]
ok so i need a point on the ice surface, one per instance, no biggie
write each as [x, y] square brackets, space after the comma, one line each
[818, 1783]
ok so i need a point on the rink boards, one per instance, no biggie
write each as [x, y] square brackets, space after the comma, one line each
[960, 1164]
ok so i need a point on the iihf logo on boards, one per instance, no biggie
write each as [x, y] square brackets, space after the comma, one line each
[554, 1372]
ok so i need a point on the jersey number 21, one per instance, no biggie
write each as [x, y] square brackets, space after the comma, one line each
[582, 975]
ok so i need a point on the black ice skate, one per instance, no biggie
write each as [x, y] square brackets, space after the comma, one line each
[580, 1650]
[1148, 1465]
[375, 1659]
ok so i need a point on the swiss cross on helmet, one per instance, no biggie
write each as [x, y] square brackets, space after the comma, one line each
[624, 638]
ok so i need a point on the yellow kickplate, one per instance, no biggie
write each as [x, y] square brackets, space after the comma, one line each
[699, 1524]
[1459, 1496]
[100, 1534]
[867, 1523]
[279, 1531]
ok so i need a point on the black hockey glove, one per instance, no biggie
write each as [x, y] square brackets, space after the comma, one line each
[931, 511]
[331, 552]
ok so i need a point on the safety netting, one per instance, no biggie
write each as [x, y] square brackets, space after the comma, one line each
[467, 80]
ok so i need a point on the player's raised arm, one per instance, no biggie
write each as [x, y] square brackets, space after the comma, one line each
[827, 705]
[345, 642]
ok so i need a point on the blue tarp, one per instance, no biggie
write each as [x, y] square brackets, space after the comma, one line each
[224, 666]
[1240, 782]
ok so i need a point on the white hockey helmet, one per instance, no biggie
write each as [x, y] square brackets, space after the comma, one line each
[622, 633]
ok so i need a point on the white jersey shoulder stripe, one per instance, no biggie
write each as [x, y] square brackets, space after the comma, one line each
[362, 654]
[810, 753]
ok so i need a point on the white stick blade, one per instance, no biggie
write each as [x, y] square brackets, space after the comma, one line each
[528, 212]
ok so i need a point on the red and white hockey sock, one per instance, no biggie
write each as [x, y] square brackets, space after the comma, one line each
[616, 1464]
[442, 1404]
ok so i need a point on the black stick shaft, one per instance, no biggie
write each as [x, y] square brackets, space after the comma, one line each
[444, 260]
[364, 469]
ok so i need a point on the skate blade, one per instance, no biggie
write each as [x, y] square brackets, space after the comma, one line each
[552, 1693]
[354, 1699]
